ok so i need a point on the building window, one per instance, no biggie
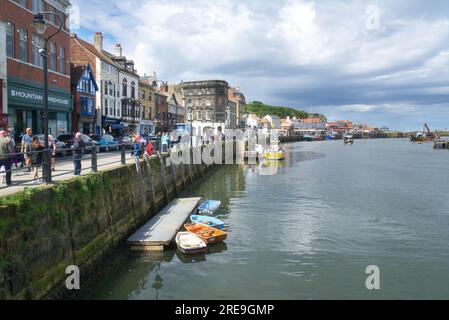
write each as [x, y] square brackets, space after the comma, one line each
[22, 3]
[124, 88]
[52, 56]
[38, 6]
[133, 90]
[199, 115]
[106, 107]
[52, 17]
[10, 40]
[208, 102]
[23, 44]
[63, 17]
[62, 60]
[143, 95]
[38, 44]
[207, 114]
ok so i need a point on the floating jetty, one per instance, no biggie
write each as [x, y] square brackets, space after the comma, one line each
[161, 230]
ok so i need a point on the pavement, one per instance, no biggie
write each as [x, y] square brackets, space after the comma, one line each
[64, 171]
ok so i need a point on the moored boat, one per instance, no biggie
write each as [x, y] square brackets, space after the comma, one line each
[272, 155]
[208, 234]
[210, 206]
[348, 139]
[190, 243]
[208, 221]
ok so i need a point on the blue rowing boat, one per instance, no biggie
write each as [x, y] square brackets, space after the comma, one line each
[208, 221]
[210, 206]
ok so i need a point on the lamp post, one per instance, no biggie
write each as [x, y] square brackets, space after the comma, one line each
[41, 28]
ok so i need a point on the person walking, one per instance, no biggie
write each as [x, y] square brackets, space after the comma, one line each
[26, 140]
[35, 153]
[164, 141]
[52, 150]
[6, 153]
[78, 150]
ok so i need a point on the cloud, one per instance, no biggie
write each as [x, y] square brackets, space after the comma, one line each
[305, 54]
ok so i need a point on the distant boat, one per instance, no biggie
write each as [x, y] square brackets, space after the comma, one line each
[308, 138]
[210, 206]
[208, 221]
[190, 243]
[348, 139]
[208, 234]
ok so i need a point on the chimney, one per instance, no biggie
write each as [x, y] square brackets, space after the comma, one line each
[98, 41]
[118, 50]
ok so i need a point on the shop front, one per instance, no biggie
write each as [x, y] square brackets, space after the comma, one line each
[112, 126]
[26, 109]
[147, 127]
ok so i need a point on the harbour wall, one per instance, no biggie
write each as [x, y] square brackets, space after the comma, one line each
[80, 222]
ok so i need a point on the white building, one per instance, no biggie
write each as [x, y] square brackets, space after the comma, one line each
[253, 121]
[273, 121]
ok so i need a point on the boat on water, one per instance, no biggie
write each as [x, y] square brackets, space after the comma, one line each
[190, 243]
[308, 137]
[210, 206]
[348, 139]
[272, 155]
[208, 221]
[208, 234]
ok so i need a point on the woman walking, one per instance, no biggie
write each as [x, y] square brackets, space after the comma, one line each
[35, 149]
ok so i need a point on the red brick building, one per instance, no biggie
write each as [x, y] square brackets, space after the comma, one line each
[25, 66]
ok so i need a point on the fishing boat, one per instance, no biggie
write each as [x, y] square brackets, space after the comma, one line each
[208, 221]
[208, 234]
[189, 243]
[210, 206]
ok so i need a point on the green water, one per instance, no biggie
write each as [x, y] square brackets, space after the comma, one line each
[310, 231]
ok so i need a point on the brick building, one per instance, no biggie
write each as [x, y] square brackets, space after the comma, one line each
[23, 95]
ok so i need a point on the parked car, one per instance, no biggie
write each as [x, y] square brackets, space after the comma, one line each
[127, 141]
[108, 142]
[61, 147]
[69, 139]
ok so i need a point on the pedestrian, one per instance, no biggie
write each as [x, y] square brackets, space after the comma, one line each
[149, 149]
[35, 150]
[164, 141]
[6, 153]
[78, 150]
[26, 140]
[52, 150]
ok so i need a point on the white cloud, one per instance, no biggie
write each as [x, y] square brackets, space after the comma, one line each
[295, 52]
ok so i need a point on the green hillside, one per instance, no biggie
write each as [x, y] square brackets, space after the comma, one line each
[261, 110]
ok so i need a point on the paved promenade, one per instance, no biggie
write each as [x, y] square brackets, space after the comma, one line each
[64, 171]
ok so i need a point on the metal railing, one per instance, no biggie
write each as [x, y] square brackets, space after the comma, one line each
[19, 168]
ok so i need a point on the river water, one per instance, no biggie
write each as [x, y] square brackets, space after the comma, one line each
[310, 230]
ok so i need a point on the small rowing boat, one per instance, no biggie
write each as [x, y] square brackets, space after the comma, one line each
[188, 242]
[208, 221]
[208, 234]
[210, 206]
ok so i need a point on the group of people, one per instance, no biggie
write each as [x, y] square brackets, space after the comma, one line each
[31, 155]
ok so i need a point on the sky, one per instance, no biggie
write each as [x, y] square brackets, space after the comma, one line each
[383, 63]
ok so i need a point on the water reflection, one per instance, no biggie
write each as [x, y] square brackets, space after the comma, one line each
[202, 257]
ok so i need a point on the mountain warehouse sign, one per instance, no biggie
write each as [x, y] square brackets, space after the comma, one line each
[36, 97]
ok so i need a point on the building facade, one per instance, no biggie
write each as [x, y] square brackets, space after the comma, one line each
[147, 100]
[236, 96]
[84, 89]
[205, 103]
[24, 67]
[231, 115]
